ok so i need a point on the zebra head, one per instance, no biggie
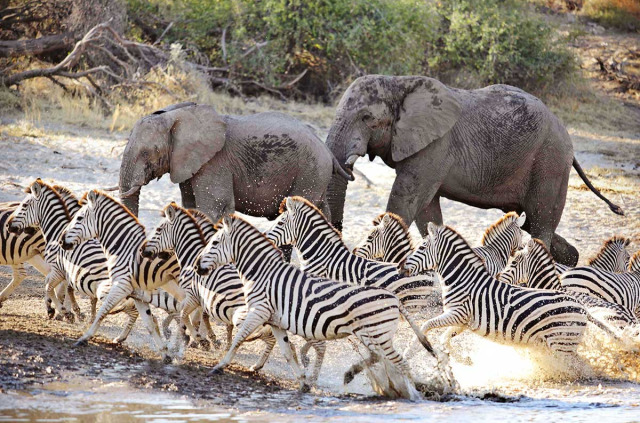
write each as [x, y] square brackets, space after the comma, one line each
[424, 258]
[372, 247]
[517, 270]
[164, 236]
[83, 225]
[218, 250]
[27, 214]
[283, 231]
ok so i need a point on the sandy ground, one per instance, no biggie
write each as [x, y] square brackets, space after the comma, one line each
[35, 351]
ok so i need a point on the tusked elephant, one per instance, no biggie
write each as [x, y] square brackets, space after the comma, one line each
[227, 163]
[495, 147]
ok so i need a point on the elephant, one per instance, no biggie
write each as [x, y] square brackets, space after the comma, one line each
[227, 163]
[494, 147]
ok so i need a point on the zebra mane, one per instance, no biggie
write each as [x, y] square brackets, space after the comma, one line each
[124, 208]
[309, 204]
[54, 191]
[242, 221]
[403, 226]
[494, 230]
[617, 240]
[544, 249]
[189, 216]
[456, 234]
[634, 262]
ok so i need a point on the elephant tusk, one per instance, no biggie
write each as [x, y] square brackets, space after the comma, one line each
[351, 160]
[109, 189]
[129, 193]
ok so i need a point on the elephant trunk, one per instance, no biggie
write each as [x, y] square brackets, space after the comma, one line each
[130, 185]
[132, 201]
[337, 143]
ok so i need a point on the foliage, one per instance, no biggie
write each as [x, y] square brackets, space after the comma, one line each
[622, 14]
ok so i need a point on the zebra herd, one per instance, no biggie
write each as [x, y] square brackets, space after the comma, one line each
[506, 290]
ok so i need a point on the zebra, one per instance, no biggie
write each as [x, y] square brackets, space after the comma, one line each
[290, 300]
[122, 238]
[324, 254]
[613, 256]
[473, 299]
[535, 266]
[85, 267]
[617, 288]
[391, 241]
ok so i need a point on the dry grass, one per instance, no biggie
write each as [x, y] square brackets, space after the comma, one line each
[622, 14]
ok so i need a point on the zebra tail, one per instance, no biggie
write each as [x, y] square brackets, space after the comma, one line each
[421, 337]
[603, 327]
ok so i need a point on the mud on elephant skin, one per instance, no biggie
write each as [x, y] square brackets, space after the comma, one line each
[227, 163]
[495, 147]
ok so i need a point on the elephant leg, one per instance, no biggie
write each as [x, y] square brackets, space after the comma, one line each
[429, 213]
[563, 252]
[188, 198]
[213, 190]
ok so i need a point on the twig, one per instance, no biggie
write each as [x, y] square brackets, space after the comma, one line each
[223, 44]
[296, 79]
[163, 33]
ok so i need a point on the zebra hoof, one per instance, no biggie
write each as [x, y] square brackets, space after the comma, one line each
[80, 343]
[69, 317]
[167, 359]
[205, 345]
[1, 302]
[255, 368]
[216, 371]
[305, 388]
[348, 377]
[81, 317]
[50, 313]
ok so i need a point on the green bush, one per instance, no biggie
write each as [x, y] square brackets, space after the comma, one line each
[487, 41]
[621, 14]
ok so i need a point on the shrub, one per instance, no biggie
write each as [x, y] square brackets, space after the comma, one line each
[622, 14]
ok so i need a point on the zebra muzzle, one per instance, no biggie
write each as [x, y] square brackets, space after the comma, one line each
[66, 245]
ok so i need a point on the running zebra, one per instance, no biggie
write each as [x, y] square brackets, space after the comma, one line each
[613, 256]
[290, 300]
[617, 288]
[85, 267]
[534, 267]
[391, 241]
[122, 238]
[475, 300]
[220, 294]
[324, 254]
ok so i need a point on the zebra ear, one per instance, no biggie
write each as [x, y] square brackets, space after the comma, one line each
[91, 198]
[385, 220]
[226, 223]
[170, 213]
[432, 228]
[36, 189]
[520, 220]
[531, 243]
[290, 204]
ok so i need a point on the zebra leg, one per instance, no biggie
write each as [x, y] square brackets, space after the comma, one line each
[94, 303]
[119, 291]
[270, 341]
[451, 317]
[74, 304]
[152, 325]
[52, 280]
[321, 348]
[188, 305]
[166, 322]
[252, 321]
[446, 338]
[19, 274]
[132, 313]
[210, 336]
[285, 347]
[229, 336]
[359, 367]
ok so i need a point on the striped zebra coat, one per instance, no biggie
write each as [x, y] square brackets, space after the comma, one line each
[220, 294]
[390, 240]
[534, 267]
[617, 288]
[324, 254]
[49, 208]
[122, 238]
[474, 300]
[612, 257]
[290, 300]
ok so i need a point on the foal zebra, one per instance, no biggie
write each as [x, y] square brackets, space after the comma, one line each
[391, 241]
[122, 237]
[617, 288]
[535, 266]
[324, 254]
[474, 300]
[85, 267]
[288, 299]
[220, 292]
[613, 256]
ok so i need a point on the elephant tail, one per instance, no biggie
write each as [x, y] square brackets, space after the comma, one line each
[614, 208]
[340, 171]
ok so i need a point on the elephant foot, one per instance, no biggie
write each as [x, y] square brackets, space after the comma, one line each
[80, 343]
[305, 388]
[348, 377]
[216, 370]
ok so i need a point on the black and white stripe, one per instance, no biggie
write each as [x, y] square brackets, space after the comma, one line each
[291, 300]
[534, 267]
[122, 237]
[389, 240]
[474, 300]
[500, 240]
[613, 256]
[323, 253]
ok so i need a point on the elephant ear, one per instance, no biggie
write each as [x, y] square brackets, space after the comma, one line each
[427, 113]
[197, 133]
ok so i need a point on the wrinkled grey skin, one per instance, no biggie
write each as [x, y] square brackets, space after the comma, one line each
[495, 147]
[227, 163]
